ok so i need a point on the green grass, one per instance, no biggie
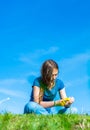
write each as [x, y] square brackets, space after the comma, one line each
[10, 121]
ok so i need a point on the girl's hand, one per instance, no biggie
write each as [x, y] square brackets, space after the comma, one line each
[66, 102]
[69, 102]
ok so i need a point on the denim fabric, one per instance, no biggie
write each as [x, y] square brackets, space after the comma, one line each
[33, 107]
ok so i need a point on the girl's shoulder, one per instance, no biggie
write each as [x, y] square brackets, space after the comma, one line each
[59, 81]
[36, 81]
[59, 84]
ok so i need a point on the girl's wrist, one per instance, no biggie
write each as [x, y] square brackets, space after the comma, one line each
[54, 103]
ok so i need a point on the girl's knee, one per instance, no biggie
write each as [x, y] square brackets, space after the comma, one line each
[29, 107]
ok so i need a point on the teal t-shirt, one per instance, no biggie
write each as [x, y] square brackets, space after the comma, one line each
[49, 95]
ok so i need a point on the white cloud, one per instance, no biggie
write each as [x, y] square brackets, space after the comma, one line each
[76, 60]
[75, 64]
[74, 70]
[32, 73]
[77, 82]
[15, 93]
[4, 100]
[14, 87]
[31, 57]
[9, 82]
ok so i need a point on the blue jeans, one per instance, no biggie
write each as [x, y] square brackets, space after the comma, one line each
[33, 107]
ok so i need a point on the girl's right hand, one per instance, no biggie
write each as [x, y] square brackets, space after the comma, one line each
[64, 102]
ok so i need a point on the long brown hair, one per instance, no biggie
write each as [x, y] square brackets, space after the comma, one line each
[46, 71]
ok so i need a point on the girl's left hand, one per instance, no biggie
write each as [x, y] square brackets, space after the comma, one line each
[68, 103]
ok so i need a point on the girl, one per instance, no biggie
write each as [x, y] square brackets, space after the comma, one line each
[44, 91]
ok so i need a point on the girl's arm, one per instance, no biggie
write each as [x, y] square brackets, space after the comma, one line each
[63, 95]
[38, 98]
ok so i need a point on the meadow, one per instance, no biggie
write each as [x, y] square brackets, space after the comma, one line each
[9, 121]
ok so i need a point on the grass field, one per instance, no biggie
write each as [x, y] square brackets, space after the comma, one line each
[10, 121]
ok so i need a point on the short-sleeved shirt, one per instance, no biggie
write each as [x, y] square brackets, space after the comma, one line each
[49, 94]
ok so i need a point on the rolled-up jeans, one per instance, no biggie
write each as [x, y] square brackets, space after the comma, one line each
[33, 107]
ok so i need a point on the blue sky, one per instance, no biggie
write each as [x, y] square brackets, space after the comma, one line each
[33, 31]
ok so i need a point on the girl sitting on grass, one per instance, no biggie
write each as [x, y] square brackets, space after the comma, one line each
[44, 91]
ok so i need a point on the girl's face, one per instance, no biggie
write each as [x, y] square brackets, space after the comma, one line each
[54, 74]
